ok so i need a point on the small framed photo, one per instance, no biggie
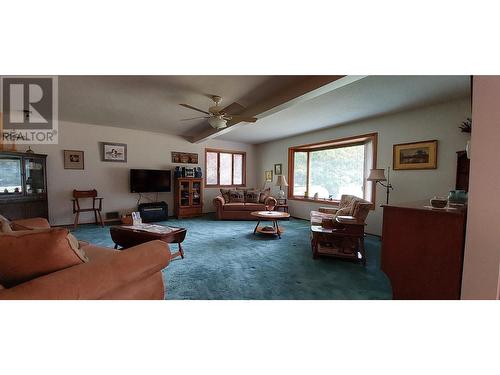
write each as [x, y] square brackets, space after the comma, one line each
[416, 155]
[277, 169]
[114, 152]
[268, 175]
[74, 159]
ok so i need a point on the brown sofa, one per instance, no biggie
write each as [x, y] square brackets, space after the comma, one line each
[239, 211]
[134, 273]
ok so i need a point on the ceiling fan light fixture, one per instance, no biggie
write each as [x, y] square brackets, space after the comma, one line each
[217, 122]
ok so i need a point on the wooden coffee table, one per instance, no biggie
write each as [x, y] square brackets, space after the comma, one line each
[127, 236]
[272, 216]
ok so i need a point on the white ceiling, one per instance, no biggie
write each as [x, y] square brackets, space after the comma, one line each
[369, 97]
[152, 102]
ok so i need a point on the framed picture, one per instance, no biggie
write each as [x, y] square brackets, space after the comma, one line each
[73, 159]
[268, 176]
[416, 155]
[184, 157]
[277, 169]
[114, 152]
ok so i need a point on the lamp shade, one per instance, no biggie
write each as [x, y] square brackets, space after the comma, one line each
[280, 181]
[376, 175]
[217, 122]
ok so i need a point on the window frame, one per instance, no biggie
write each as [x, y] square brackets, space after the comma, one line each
[232, 152]
[327, 145]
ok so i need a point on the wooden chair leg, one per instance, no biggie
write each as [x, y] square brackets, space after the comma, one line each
[95, 217]
[77, 216]
[100, 218]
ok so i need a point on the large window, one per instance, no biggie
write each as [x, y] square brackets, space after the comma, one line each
[225, 168]
[331, 169]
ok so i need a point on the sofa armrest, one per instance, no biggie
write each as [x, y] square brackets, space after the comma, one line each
[97, 279]
[33, 223]
[219, 200]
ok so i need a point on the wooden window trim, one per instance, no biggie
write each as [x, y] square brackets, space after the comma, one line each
[341, 142]
[232, 152]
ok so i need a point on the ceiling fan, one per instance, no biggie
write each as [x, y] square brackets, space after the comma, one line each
[218, 117]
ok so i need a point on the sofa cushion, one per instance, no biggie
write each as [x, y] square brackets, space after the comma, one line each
[252, 196]
[255, 207]
[236, 196]
[25, 255]
[225, 194]
[234, 207]
[33, 223]
[264, 194]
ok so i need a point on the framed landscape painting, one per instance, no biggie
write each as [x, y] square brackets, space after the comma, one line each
[416, 155]
[114, 152]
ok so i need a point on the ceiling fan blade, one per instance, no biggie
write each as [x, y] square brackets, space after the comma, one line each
[233, 108]
[194, 108]
[194, 118]
[242, 118]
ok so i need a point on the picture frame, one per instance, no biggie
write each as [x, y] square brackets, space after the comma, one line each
[278, 169]
[268, 175]
[415, 155]
[114, 152]
[184, 157]
[74, 159]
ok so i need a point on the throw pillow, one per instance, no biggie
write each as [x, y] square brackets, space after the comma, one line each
[236, 196]
[344, 211]
[5, 225]
[25, 255]
[252, 196]
[264, 194]
[225, 194]
[76, 247]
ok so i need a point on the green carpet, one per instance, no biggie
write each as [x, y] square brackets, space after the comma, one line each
[225, 260]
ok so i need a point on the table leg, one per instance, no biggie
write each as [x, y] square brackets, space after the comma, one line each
[255, 230]
[181, 251]
[116, 246]
[275, 223]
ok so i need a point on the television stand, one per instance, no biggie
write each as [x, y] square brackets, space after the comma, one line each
[154, 211]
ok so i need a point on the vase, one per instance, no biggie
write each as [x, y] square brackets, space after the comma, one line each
[457, 196]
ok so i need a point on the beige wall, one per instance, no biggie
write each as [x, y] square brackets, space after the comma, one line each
[482, 249]
[435, 122]
[145, 150]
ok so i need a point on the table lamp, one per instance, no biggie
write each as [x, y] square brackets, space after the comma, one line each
[280, 181]
[377, 176]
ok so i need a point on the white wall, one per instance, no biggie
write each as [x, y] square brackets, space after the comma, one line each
[435, 122]
[482, 249]
[145, 150]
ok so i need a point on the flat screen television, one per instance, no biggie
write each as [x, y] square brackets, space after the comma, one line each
[149, 181]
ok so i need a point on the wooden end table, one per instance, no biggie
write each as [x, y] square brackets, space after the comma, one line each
[272, 216]
[347, 229]
[128, 236]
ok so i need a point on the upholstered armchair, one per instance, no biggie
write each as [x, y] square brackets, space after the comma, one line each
[349, 205]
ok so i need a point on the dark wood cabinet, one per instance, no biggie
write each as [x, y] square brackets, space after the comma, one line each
[188, 197]
[23, 185]
[422, 250]
[463, 165]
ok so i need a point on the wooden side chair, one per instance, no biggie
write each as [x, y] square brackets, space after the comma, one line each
[96, 205]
